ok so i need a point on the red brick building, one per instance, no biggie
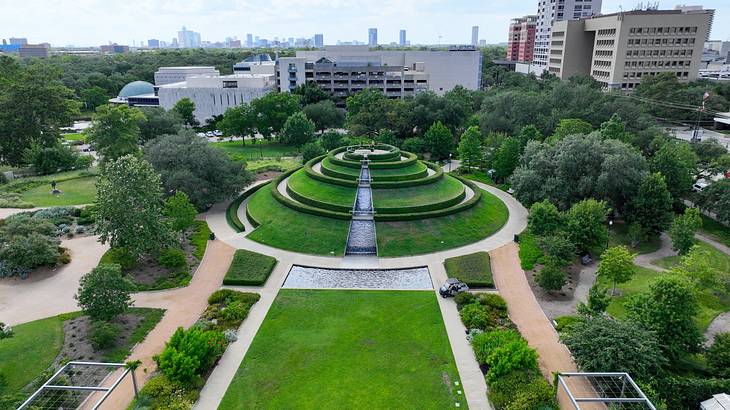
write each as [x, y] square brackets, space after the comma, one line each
[521, 38]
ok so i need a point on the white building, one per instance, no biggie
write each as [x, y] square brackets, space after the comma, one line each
[169, 75]
[550, 11]
[255, 64]
[474, 35]
[213, 94]
[188, 38]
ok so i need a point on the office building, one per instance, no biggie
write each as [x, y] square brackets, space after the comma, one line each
[551, 11]
[34, 50]
[255, 64]
[475, 35]
[188, 38]
[373, 37]
[249, 40]
[153, 43]
[18, 41]
[521, 41]
[619, 49]
[214, 94]
[343, 70]
[402, 38]
[169, 75]
[319, 40]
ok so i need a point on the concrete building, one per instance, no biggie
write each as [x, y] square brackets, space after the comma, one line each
[137, 94]
[255, 64]
[188, 38]
[619, 49]
[169, 75]
[34, 50]
[402, 38]
[343, 70]
[474, 35]
[551, 11]
[249, 40]
[319, 40]
[153, 43]
[213, 94]
[113, 49]
[373, 37]
[18, 41]
[521, 41]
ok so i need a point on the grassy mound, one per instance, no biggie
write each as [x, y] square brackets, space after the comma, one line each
[249, 268]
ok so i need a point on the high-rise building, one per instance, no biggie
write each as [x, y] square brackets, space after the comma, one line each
[620, 49]
[521, 41]
[188, 38]
[319, 40]
[373, 37]
[249, 40]
[18, 41]
[550, 11]
[475, 35]
[153, 43]
[402, 38]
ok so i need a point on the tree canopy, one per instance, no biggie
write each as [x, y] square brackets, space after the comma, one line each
[114, 131]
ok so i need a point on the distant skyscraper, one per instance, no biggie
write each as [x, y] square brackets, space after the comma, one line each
[319, 40]
[475, 35]
[402, 38]
[21, 41]
[188, 38]
[153, 43]
[249, 40]
[373, 37]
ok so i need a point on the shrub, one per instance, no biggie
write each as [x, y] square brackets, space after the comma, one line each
[103, 335]
[474, 316]
[104, 293]
[564, 323]
[526, 390]
[503, 351]
[464, 298]
[119, 256]
[172, 258]
[311, 150]
[235, 311]
[86, 216]
[190, 353]
[47, 160]
[161, 393]
[551, 277]
[718, 355]
[5, 331]
[84, 162]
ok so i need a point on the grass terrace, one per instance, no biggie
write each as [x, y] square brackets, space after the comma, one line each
[249, 269]
[321, 349]
[473, 269]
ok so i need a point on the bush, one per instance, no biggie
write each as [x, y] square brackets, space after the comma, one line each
[235, 311]
[104, 293]
[331, 139]
[161, 393]
[48, 160]
[103, 335]
[86, 216]
[564, 323]
[718, 355]
[474, 316]
[172, 258]
[5, 331]
[503, 351]
[551, 277]
[119, 256]
[190, 353]
[526, 390]
[464, 298]
[311, 150]
[84, 162]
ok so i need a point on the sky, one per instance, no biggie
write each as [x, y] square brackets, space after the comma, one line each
[96, 22]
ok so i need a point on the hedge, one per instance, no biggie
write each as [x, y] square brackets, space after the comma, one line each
[249, 269]
[232, 212]
[375, 184]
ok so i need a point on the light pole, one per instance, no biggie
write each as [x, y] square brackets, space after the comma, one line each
[449, 162]
[610, 224]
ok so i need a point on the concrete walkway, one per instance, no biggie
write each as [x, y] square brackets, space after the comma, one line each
[49, 292]
[646, 260]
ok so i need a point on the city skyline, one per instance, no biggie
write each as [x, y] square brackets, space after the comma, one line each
[93, 22]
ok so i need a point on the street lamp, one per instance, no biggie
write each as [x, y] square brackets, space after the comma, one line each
[449, 162]
[610, 224]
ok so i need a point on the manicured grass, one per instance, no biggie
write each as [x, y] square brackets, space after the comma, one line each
[285, 228]
[74, 137]
[619, 235]
[263, 149]
[249, 268]
[482, 177]
[375, 172]
[321, 191]
[715, 230]
[441, 190]
[272, 164]
[73, 192]
[320, 349]
[199, 238]
[715, 258]
[446, 232]
[30, 351]
[474, 269]
[530, 251]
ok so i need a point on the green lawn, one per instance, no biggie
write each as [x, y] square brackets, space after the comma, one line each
[239, 152]
[715, 230]
[78, 191]
[410, 169]
[446, 232]
[74, 137]
[441, 190]
[473, 269]
[321, 191]
[30, 351]
[716, 259]
[199, 238]
[285, 228]
[530, 251]
[321, 349]
[272, 164]
[249, 268]
[620, 236]
[482, 177]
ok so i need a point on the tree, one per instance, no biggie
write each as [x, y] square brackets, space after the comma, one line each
[51, 159]
[239, 120]
[683, 230]
[696, 268]
[558, 248]
[94, 97]
[273, 110]
[157, 121]
[186, 109]
[529, 133]
[652, 206]
[324, 114]
[470, 148]
[551, 277]
[617, 265]
[189, 164]
[34, 105]
[180, 212]
[718, 356]
[386, 136]
[544, 218]
[669, 308]
[114, 131]
[614, 128]
[716, 198]
[678, 163]
[597, 303]
[128, 209]
[311, 93]
[330, 140]
[104, 293]
[586, 224]
[311, 150]
[506, 158]
[601, 344]
[571, 126]
[298, 130]
[439, 141]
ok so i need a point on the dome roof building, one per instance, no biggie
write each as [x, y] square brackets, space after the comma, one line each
[139, 93]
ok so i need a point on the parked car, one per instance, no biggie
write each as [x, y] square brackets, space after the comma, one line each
[586, 259]
[452, 287]
[699, 185]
